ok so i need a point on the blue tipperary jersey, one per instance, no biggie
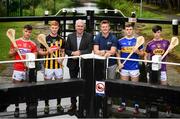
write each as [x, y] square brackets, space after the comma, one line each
[125, 45]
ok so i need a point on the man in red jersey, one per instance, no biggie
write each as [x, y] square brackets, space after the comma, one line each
[24, 45]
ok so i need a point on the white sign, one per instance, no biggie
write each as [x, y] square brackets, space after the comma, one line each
[100, 88]
[175, 22]
[156, 66]
[30, 56]
[132, 20]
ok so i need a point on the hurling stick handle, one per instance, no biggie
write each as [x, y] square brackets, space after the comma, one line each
[127, 57]
[164, 55]
[47, 47]
[11, 35]
[19, 54]
[174, 42]
[138, 44]
[15, 45]
[135, 48]
[18, 51]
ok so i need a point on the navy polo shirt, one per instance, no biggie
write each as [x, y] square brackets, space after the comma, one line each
[106, 44]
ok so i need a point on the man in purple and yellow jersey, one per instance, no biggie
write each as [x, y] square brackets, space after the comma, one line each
[158, 46]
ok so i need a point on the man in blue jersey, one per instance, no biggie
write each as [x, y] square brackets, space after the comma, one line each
[130, 70]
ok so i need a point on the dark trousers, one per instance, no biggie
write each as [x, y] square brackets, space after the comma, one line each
[74, 75]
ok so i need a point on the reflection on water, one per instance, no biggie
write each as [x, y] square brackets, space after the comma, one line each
[85, 6]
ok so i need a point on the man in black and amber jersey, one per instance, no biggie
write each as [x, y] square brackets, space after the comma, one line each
[53, 68]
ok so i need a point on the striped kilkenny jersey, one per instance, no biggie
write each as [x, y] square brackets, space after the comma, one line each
[56, 44]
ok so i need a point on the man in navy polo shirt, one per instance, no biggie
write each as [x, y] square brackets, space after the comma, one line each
[105, 44]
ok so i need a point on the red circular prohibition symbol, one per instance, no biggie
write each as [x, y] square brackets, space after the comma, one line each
[100, 87]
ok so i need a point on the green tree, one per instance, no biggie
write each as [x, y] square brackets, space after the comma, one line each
[30, 3]
[2, 8]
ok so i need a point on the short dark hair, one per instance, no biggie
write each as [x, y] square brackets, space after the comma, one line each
[28, 27]
[105, 22]
[156, 28]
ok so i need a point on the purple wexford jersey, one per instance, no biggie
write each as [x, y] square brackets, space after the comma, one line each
[158, 47]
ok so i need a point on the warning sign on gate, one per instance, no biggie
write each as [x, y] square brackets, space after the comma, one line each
[100, 88]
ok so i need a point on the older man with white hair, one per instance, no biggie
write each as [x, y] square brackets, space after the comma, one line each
[78, 43]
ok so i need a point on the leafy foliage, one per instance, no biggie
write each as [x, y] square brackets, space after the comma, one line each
[32, 7]
[2, 8]
[128, 6]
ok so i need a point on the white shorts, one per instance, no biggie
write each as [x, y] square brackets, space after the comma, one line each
[131, 73]
[56, 73]
[19, 75]
[163, 76]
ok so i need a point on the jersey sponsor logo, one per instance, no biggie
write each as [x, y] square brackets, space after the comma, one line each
[124, 43]
[129, 42]
[54, 48]
[127, 49]
[158, 51]
[24, 50]
[109, 43]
